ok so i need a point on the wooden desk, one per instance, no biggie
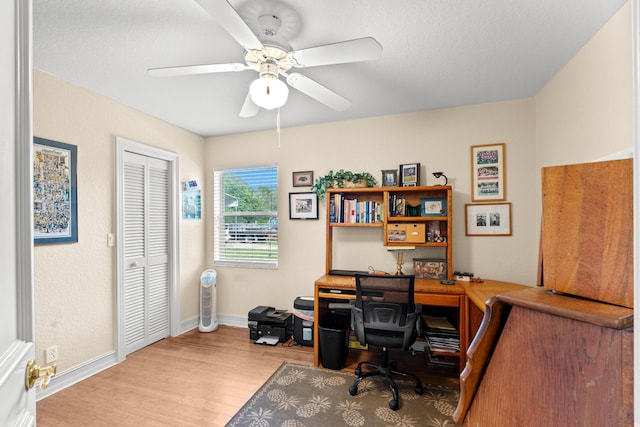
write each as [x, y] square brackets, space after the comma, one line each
[427, 292]
[574, 357]
[478, 294]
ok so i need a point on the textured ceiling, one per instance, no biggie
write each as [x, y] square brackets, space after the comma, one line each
[436, 54]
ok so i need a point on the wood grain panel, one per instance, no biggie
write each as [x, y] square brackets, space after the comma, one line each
[587, 225]
[551, 371]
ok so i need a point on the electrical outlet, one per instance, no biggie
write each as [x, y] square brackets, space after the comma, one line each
[51, 354]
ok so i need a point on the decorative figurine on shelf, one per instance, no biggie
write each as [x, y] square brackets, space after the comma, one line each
[441, 174]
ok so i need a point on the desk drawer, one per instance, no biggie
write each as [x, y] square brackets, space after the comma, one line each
[437, 299]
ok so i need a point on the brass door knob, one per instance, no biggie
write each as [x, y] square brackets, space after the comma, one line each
[34, 372]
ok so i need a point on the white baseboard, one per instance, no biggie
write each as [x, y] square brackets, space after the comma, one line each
[89, 368]
[237, 321]
[223, 319]
[76, 374]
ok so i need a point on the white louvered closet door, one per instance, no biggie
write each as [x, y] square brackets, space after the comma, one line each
[146, 251]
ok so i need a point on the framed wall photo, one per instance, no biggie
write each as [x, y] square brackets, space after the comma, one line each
[410, 175]
[303, 205]
[303, 179]
[55, 210]
[488, 219]
[390, 178]
[488, 167]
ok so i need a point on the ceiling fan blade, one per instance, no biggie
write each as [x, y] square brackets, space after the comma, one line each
[187, 70]
[249, 108]
[316, 91]
[364, 49]
[230, 20]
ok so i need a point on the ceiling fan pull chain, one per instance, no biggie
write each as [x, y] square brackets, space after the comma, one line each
[278, 126]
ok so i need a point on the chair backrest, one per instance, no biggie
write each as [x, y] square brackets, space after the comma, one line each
[384, 311]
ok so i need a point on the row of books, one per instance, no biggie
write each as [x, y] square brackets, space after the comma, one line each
[352, 211]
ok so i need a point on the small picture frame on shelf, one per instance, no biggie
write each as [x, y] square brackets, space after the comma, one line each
[434, 233]
[433, 207]
[302, 179]
[410, 174]
[303, 205]
[389, 178]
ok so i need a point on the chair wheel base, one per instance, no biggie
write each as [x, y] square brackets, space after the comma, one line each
[353, 390]
[418, 389]
[358, 371]
[393, 404]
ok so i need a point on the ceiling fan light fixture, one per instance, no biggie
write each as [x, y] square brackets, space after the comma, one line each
[269, 91]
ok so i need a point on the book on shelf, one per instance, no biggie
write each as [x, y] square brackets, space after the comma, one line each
[443, 344]
[438, 323]
[353, 211]
[435, 361]
[441, 335]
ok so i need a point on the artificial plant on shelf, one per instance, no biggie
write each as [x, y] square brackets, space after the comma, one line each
[341, 179]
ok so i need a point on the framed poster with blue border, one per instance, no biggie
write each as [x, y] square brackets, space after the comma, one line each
[55, 208]
[433, 207]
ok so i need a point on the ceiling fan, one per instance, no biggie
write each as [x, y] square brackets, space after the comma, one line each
[272, 57]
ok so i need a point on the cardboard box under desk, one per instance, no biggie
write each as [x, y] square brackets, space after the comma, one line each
[409, 233]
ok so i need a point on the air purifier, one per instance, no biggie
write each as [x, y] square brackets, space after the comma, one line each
[208, 314]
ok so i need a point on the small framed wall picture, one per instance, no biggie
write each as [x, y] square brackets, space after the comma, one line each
[488, 166]
[488, 219]
[410, 174]
[390, 178]
[302, 179]
[303, 205]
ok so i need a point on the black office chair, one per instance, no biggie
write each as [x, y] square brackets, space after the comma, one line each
[384, 315]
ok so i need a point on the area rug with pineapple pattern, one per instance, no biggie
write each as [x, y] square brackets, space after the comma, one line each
[304, 396]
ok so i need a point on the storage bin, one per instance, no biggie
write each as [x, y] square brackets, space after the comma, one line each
[303, 321]
[409, 233]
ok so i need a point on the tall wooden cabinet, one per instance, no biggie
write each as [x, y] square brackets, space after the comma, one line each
[562, 354]
[408, 216]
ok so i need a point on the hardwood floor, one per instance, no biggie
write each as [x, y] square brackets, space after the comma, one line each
[196, 379]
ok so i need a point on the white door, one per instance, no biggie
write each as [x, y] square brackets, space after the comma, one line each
[17, 403]
[147, 266]
[146, 250]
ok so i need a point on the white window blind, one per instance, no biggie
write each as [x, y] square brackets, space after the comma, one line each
[246, 217]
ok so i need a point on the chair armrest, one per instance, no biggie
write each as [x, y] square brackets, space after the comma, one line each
[419, 319]
[357, 322]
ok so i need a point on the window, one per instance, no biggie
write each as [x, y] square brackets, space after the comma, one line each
[246, 217]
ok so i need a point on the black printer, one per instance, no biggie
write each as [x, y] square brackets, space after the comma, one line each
[266, 324]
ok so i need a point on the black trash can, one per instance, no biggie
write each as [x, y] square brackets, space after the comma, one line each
[333, 332]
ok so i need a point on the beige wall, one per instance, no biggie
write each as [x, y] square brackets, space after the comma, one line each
[435, 139]
[583, 114]
[75, 283]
